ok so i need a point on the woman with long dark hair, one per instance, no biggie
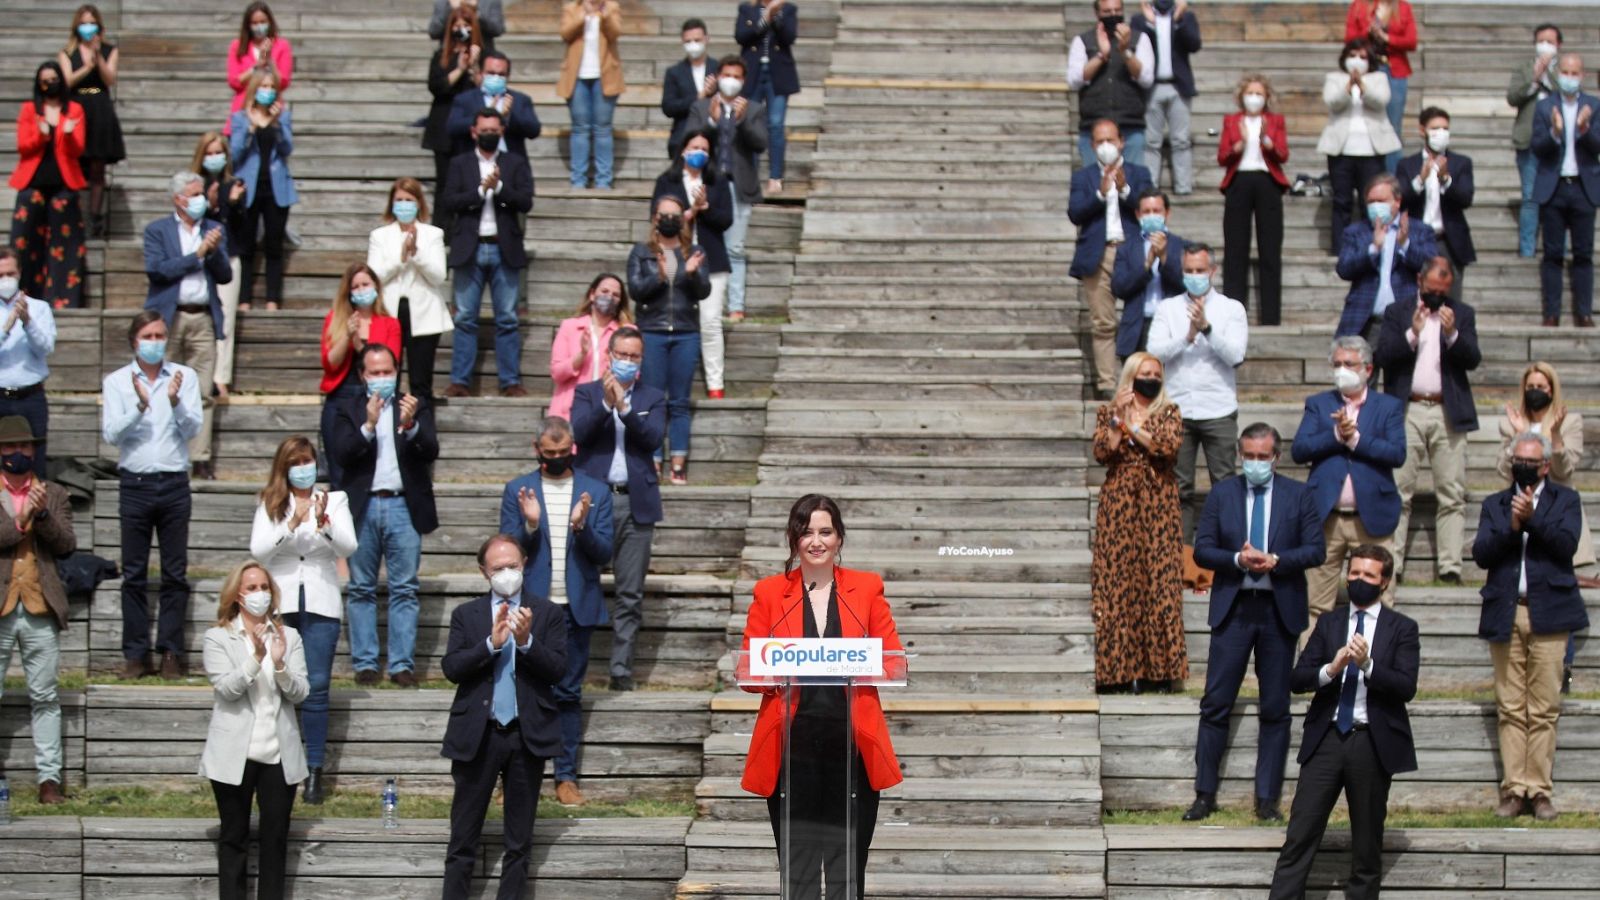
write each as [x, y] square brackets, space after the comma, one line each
[451, 71]
[47, 227]
[258, 49]
[581, 351]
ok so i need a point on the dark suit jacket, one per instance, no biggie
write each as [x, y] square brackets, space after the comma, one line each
[1554, 604]
[1381, 449]
[1185, 40]
[460, 200]
[1549, 149]
[1294, 533]
[587, 550]
[1395, 356]
[643, 429]
[1129, 278]
[678, 96]
[470, 665]
[1396, 657]
[1088, 212]
[1361, 269]
[359, 458]
[522, 125]
[749, 141]
[1454, 201]
[166, 265]
[712, 221]
[749, 33]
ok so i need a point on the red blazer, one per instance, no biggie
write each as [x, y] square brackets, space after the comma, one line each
[860, 600]
[1233, 132]
[384, 330]
[1402, 33]
[31, 144]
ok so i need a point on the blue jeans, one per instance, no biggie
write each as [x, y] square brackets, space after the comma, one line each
[591, 112]
[734, 238]
[1132, 147]
[1397, 114]
[385, 533]
[569, 699]
[469, 298]
[1528, 213]
[777, 111]
[320, 637]
[670, 359]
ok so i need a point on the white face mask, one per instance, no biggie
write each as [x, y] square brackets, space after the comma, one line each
[695, 49]
[1545, 49]
[506, 582]
[730, 87]
[257, 603]
[1107, 153]
[1348, 381]
[8, 288]
[1254, 103]
[1356, 65]
[1439, 139]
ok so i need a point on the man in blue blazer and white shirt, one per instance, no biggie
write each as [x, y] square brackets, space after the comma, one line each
[185, 258]
[1436, 187]
[1353, 438]
[515, 108]
[1104, 205]
[1566, 185]
[619, 423]
[1259, 532]
[1527, 535]
[506, 652]
[1147, 271]
[563, 520]
[1381, 256]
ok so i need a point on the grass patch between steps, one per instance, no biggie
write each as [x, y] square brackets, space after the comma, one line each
[1244, 817]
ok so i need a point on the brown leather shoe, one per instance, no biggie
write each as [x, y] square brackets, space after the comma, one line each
[171, 667]
[1543, 809]
[50, 793]
[514, 391]
[132, 668]
[457, 390]
[1551, 322]
[1510, 806]
[1585, 321]
[367, 677]
[567, 794]
[405, 679]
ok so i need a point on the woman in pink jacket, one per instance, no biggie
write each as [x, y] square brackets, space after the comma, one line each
[257, 47]
[579, 353]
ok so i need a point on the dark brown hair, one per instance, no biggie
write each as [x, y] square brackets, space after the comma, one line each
[140, 319]
[1381, 554]
[246, 38]
[275, 496]
[800, 520]
[502, 538]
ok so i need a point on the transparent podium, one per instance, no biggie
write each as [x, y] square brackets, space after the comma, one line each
[817, 809]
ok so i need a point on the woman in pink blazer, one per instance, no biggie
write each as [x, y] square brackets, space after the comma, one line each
[580, 351]
[257, 47]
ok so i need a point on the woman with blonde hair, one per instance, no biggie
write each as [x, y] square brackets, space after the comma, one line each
[1135, 575]
[407, 253]
[89, 62]
[257, 669]
[1538, 408]
[300, 533]
[1253, 150]
[1358, 134]
[581, 350]
[358, 318]
[261, 139]
[225, 202]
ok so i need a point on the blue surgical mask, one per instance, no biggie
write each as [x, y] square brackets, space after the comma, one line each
[696, 159]
[265, 96]
[303, 476]
[195, 206]
[1152, 223]
[624, 370]
[381, 387]
[87, 31]
[1569, 84]
[214, 162]
[494, 85]
[1379, 213]
[1197, 285]
[364, 297]
[405, 211]
[261, 29]
[152, 352]
[1258, 471]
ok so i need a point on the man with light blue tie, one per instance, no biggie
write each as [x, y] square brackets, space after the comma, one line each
[505, 654]
[1146, 272]
[1382, 257]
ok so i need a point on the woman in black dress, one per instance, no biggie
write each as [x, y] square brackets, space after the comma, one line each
[451, 71]
[90, 64]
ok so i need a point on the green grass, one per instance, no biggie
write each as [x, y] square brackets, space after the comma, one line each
[1243, 817]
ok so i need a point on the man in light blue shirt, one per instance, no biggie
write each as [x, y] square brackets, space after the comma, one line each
[27, 338]
[151, 408]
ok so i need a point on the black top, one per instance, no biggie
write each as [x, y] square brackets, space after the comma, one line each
[47, 178]
[823, 701]
[92, 80]
[266, 143]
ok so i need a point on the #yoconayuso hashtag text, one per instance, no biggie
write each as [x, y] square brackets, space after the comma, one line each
[948, 550]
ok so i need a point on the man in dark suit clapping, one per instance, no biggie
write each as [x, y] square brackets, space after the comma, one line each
[1259, 532]
[505, 654]
[1362, 663]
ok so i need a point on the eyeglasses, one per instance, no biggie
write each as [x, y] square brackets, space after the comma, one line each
[1524, 461]
[628, 357]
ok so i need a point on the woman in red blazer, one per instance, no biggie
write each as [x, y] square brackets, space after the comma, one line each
[47, 228]
[1254, 147]
[820, 600]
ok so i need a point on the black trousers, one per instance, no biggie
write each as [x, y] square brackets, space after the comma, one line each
[265, 784]
[1568, 211]
[419, 352]
[1254, 196]
[156, 504]
[36, 409]
[1347, 763]
[265, 224]
[1349, 176]
[502, 755]
[817, 816]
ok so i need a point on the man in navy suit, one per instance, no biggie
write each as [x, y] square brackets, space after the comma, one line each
[185, 258]
[619, 423]
[1566, 143]
[1353, 439]
[689, 79]
[1362, 662]
[1381, 256]
[766, 31]
[505, 654]
[563, 521]
[1259, 532]
[1104, 206]
[1436, 188]
[515, 109]
[1147, 271]
[1527, 535]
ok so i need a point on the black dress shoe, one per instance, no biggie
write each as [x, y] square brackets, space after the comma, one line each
[1204, 805]
[1566, 680]
[1453, 578]
[312, 793]
[1267, 810]
[621, 683]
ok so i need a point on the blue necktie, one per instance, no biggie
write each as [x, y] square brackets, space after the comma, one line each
[505, 688]
[1385, 271]
[1347, 694]
[1258, 518]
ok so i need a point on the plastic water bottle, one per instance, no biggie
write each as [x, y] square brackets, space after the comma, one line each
[5, 801]
[391, 800]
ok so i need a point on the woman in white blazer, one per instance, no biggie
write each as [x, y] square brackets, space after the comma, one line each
[300, 533]
[409, 256]
[258, 672]
[1358, 133]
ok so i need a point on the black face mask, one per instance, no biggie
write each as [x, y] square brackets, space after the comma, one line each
[1111, 23]
[463, 34]
[53, 89]
[556, 466]
[1524, 476]
[18, 463]
[1535, 399]
[1164, 6]
[488, 141]
[669, 226]
[1434, 301]
[1147, 388]
[1362, 594]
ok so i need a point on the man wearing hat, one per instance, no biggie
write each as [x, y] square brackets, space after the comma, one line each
[35, 530]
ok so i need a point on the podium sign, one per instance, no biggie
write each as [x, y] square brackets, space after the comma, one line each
[809, 658]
